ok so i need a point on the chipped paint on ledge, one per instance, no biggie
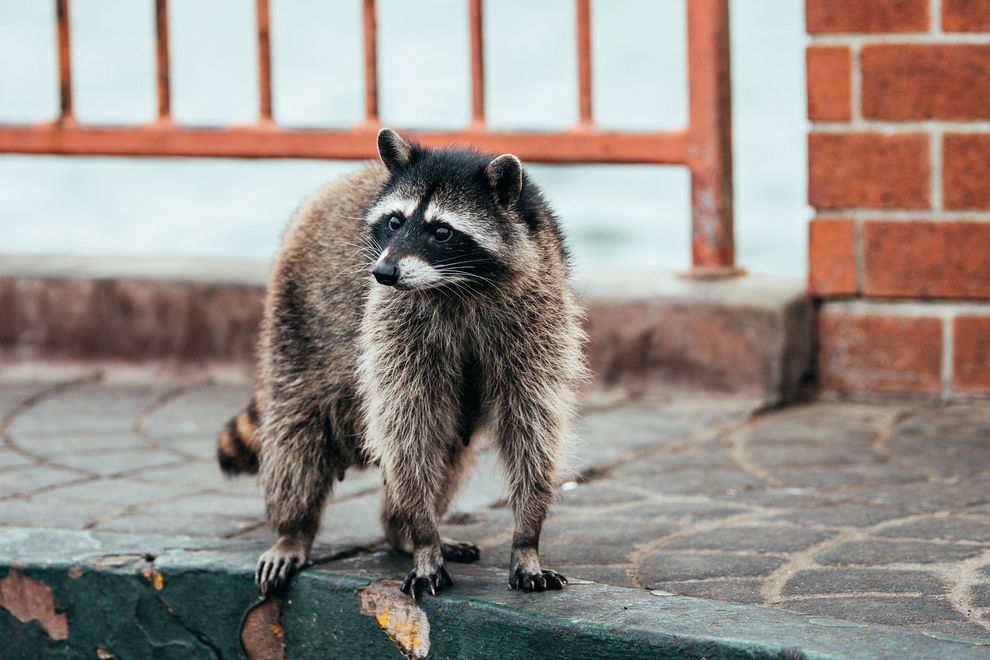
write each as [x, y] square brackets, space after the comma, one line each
[29, 599]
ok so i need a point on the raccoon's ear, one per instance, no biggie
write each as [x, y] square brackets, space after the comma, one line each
[505, 178]
[394, 151]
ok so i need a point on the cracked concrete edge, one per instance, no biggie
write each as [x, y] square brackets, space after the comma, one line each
[201, 602]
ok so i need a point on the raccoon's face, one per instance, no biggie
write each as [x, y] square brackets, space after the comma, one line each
[442, 220]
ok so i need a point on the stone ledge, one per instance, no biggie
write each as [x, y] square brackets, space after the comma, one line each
[747, 334]
[72, 593]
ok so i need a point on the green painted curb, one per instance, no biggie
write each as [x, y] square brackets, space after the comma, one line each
[83, 594]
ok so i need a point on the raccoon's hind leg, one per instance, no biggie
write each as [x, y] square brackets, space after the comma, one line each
[297, 472]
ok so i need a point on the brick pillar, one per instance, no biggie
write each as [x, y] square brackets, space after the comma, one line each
[899, 176]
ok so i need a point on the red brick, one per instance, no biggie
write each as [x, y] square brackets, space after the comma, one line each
[966, 170]
[913, 259]
[831, 16]
[871, 353]
[971, 354]
[869, 170]
[832, 257]
[965, 15]
[919, 81]
[828, 83]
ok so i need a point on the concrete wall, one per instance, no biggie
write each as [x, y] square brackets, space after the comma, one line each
[899, 176]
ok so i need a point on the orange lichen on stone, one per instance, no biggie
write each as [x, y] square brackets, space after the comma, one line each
[29, 599]
[153, 575]
[401, 618]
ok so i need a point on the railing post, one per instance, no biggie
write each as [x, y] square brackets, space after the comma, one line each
[64, 61]
[370, 23]
[162, 70]
[264, 62]
[710, 139]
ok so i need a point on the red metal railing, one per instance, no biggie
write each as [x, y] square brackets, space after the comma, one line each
[704, 145]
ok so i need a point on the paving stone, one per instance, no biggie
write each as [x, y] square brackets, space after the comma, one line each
[200, 446]
[680, 511]
[193, 473]
[199, 410]
[64, 515]
[881, 552]
[980, 593]
[34, 478]
[112, 491]
[606, 529]
[208, 505]
[13, 395]
[696, 483]
[923, 497]
[850, 580]
[668, 566]
[599, 540]
[808, 427]
[596, 494]
[952, 441]
[736, 591]
[663, 463]
[944, 528]
[822, 455]
[13, 459]
[96, 406]
[55, 445]
[780, 498]
[753, 538]
[888, 610]
[843, 515]
[108, 463]
[484, 485]
[355, 521]
[847, 475]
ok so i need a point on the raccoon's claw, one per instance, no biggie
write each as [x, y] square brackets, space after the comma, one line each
[417, 586]
[274, 570]
[545, 579]
[460, 551]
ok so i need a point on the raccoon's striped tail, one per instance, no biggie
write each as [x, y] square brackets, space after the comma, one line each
[239, 443]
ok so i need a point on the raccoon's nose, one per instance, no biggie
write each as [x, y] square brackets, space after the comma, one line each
[387, 274]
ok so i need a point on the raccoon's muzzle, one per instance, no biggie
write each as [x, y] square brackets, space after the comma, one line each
[386, 273]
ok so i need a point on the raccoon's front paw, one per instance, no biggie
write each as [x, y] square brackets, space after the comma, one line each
[539, 581]
[460, 551]
[276, 566]
[416, 584]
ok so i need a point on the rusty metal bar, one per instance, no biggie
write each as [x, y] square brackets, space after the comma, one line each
[264, 62]
[583, 11]
[370, 63]
[709, 155]
[259, 141]
[64, 61]
[477, 63]
[161, 47]
[705, 146]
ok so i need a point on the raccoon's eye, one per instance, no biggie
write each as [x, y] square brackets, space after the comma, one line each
[442, 233]
[394, 222]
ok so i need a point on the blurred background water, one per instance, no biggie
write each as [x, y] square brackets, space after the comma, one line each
[616, 216]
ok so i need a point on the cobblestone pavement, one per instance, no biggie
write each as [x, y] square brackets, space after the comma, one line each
[877, 513]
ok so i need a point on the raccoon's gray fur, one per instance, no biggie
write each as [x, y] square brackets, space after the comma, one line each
[470, 330]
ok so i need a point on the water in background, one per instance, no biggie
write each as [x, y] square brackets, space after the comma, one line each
[616, 216]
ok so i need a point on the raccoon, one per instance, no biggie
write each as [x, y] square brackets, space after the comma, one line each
[416, 304]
